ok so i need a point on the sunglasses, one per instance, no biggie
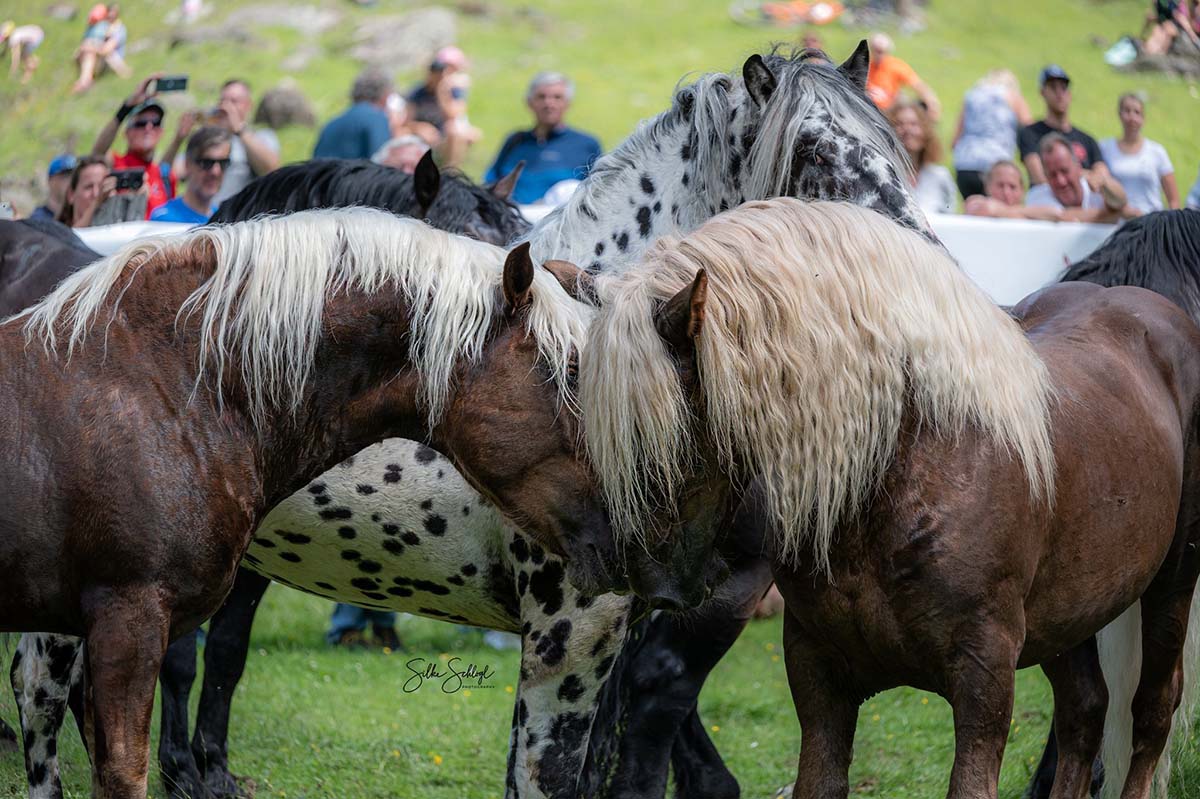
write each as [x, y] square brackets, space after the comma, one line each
[206, 164]
[145, 123]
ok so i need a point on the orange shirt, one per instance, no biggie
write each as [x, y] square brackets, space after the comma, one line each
[158, 190]
[886, 78]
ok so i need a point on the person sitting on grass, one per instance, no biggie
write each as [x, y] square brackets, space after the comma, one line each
[206, 159]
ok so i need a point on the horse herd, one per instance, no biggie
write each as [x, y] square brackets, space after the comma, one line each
[671, 391]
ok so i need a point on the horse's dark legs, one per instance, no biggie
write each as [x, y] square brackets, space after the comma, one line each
[827, 718]
[699, 769]
[1043, 778]
[1165, 612]
[979, 685]
[8, 738]
[1080, 701]
[180, 775]
[664, 680]
[224, 661]
[126, 643]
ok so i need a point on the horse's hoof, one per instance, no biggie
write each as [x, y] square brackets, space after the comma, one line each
[224, 785]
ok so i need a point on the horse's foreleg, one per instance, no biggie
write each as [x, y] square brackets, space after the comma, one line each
[42, 671]
[565, 660]
[661, 684]
[180, 776]
[224, 661]
[980, 685]
[1080, 702]
[827, 716]
[126, 641]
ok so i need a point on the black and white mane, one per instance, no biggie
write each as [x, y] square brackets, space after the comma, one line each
[790, 125]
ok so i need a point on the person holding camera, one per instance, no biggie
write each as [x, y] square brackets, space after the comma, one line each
[91, 185]
[206, 159]
[142, 115]
[253, 153]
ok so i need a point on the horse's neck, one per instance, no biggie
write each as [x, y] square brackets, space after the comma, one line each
[657, 188]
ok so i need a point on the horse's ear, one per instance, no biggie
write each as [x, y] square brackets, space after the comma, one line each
[427, 179]
[679, 320]
[575, 281]
[518, 278]
[503, 188]
[760, 81]
[857, 65]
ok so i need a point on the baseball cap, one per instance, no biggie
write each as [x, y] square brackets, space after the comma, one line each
[63, 163]
[449, 56]
[1052, 72]
[149, 105]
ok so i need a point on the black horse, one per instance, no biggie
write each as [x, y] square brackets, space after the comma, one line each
[34, 256]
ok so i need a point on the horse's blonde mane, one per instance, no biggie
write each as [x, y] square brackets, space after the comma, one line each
[261, 310]
[822, 320]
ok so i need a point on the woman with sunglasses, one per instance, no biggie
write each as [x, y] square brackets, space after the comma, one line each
[142, 116]
[206, 160]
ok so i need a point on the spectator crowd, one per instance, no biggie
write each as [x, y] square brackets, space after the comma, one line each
[1005, 162]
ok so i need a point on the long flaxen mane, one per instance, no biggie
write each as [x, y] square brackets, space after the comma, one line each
[261, 309]
[822, 320]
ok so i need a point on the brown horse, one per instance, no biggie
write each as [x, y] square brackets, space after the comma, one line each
[957, 493]
[159, 402]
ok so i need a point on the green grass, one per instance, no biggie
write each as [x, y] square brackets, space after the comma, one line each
[314, 723]
[625, 55]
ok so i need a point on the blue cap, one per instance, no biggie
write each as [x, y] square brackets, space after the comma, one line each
[1052, 72]
[63, 163]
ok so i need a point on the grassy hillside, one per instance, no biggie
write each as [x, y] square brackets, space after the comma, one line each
[625, 55]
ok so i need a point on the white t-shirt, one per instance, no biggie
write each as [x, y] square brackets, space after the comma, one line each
[239, 172]
[1041, 196]
[935, 189]
[1139, 173]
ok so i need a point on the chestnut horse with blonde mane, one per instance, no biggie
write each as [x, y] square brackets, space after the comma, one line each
[956, 492]
[212, 375]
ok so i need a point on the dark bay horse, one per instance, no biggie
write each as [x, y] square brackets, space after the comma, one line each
[955, 493]
[247, 359]
[632, 732]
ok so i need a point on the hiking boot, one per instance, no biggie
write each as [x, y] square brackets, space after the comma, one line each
[351, 639]
[386, 638]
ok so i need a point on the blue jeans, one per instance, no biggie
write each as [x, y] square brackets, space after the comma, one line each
[351, 617]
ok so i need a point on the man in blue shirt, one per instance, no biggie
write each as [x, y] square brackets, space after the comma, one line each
[363, 128]
[207, 159]
[552, 152]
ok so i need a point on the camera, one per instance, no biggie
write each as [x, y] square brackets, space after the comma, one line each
[171, 83]
[129, 179]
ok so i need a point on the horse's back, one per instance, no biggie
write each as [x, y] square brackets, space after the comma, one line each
[34, 257]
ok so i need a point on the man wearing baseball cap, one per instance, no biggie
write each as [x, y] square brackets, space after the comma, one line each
[1055, 87]
[58, 178]
[142, 116]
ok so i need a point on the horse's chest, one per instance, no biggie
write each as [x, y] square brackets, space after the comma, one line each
[396, 528]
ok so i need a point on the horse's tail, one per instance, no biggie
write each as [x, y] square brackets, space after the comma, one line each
[1121, 659]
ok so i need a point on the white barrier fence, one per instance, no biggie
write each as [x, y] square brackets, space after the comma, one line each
[1007, 258]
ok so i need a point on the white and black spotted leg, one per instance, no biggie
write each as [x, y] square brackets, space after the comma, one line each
[568, 647]
[43, 671]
